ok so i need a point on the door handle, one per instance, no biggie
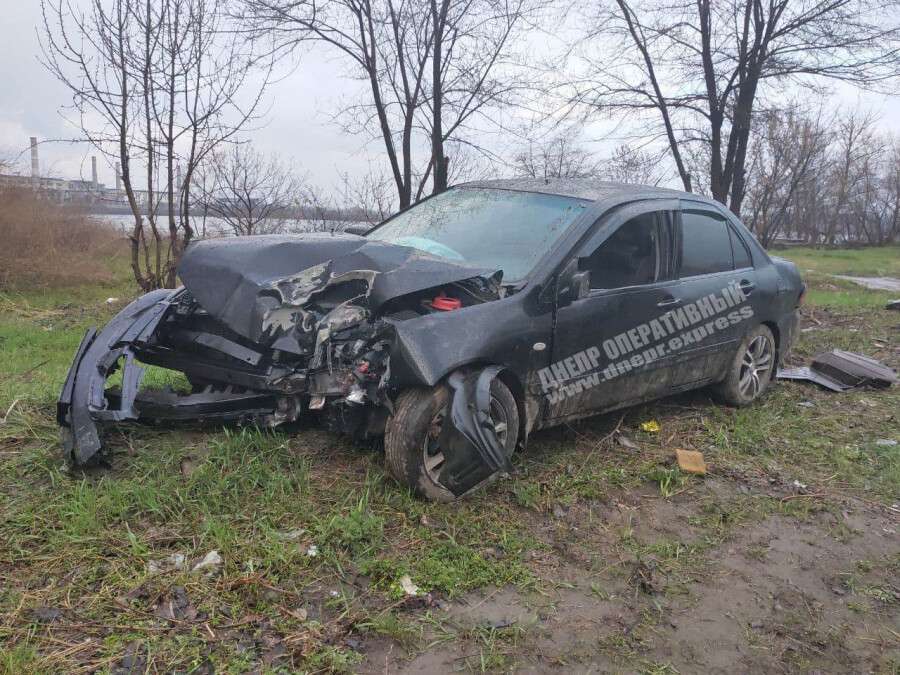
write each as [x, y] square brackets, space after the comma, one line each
[747, 286]
[668, 302]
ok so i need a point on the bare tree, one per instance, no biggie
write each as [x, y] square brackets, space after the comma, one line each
[561, 156]
[155, 85]
[630, 164]
[783, 157]
[696, 70]
[432, 69]
[250, 193]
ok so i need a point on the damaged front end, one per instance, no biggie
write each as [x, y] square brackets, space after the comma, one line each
[269, 329]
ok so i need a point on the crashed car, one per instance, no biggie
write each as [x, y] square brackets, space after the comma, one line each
[453, 329]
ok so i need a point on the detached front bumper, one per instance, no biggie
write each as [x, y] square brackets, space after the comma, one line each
[85, 404]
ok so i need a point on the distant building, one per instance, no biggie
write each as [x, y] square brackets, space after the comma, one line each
[91, 193]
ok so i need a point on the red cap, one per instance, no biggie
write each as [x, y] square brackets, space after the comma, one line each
[445, 304]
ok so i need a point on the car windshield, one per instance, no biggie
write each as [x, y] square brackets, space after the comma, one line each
[497, 229]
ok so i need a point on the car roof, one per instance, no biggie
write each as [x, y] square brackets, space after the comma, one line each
[584, 188]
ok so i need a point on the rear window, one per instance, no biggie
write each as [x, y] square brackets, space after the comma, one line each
[705, 244]
[739, 250]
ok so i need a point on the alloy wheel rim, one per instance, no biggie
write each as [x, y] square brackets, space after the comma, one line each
[756, 365]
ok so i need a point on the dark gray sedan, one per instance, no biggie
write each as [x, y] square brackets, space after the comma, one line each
[453, 329]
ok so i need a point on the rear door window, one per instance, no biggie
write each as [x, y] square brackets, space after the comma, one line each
[705, 244]
[739, 250]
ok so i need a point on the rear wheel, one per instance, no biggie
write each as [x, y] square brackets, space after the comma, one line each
[751, 370]
[411, 442]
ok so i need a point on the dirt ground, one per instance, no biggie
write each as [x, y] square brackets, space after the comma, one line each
[780, 595]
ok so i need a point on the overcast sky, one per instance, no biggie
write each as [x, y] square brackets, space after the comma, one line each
[298, 125]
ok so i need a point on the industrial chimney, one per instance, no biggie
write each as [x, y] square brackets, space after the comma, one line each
[94, 172]
[35, 164]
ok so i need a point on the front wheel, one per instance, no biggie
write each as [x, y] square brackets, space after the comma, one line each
[751, 370]
[411, 441]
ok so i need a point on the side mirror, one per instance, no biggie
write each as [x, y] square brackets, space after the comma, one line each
[572, 284]
[358, 228]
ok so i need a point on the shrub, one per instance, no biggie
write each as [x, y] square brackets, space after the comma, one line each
[47, 244]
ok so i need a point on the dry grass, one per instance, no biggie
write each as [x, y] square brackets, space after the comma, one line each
[48, 245]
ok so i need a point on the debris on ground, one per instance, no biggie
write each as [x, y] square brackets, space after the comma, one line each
[408, 586]
[886, 442]
[893, 304]
[626, 442]
[691, 461]
[312, 551]
[175, 561]
[210, 561]
[839, 371]
[650, 426]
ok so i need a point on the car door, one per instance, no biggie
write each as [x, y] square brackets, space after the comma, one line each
[602, 354]
[717, 285]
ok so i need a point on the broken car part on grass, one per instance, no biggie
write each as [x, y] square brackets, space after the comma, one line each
[839, 371]
[431, 330]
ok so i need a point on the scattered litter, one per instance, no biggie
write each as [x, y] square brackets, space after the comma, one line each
[807, 404]
[626, 442]
[176, 561]
[691, 461]
[650, 426]
[408, 586]
[210, 560]
[292, 535]
[886, 442]
[312, 551]
[893, 304]
[111, 301]
[334, 594]
[797, 484]
[839, 371]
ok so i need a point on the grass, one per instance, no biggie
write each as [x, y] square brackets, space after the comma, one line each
[93, 545]
[868, 262]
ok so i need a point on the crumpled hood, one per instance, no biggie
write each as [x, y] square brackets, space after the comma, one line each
[244, 281]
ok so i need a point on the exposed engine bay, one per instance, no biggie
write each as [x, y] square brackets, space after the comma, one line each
[269, 328]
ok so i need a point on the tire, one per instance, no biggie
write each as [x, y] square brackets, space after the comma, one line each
[752, 369]
[416, 420]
